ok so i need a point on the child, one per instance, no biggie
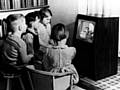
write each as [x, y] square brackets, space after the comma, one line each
[44, 29]
[59, 58]
[31, 35]
[14, 48]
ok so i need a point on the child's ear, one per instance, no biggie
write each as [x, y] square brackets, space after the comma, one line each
[19, 28]
[36, 18]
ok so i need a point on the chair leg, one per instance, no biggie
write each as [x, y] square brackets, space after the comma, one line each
[29, 78]
[71, 82]
[8, 84]
[21, 83]
[53, 79]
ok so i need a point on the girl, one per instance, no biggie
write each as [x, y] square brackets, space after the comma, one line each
[44, 29]
[59, 57]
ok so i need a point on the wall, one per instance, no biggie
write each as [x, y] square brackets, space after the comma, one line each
[64, 11]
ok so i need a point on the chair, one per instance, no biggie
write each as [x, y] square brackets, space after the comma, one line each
[11, 76]
[43, 80]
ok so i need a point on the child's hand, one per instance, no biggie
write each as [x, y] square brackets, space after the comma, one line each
[64, 69]
[61, 47]
[31, 55]
[49, 46]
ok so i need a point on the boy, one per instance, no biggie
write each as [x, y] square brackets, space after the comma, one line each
[31, 35]
[14, 48]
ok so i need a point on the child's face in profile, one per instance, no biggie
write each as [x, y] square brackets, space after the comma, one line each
[47, 19]
[34, 25]
[23, 25]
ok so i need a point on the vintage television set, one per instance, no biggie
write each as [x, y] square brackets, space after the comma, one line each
[96, 42]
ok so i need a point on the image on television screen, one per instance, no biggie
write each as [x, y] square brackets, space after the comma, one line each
[85, 30]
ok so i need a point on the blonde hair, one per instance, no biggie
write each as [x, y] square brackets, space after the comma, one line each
[13, 21]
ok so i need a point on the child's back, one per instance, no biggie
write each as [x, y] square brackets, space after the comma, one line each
[59, 57]
[14, 48]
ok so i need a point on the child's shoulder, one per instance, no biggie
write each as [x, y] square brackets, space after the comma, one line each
[27, 34]
[15, 40]
[68, 48]
[40, 27]
[72, 48]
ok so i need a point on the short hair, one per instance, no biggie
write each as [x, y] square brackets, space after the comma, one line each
[31, 17]
[37, 13]
[12, 22]
[58, 32]
[43, 12]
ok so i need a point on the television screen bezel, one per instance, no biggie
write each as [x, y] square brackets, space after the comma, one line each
[86, 18]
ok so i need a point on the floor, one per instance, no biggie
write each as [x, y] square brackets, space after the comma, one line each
[109, 83]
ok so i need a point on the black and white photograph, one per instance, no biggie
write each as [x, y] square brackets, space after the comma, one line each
[59, 45]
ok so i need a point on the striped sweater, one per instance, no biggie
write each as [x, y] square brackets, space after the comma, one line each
[14, 50]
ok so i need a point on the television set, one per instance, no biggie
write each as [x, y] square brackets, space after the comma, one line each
[96, 43]
[85, 26]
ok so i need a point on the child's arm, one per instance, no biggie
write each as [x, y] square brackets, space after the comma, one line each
[74, 52]
[44, 44]
[23, 53]
[28, 38]
[42, 35]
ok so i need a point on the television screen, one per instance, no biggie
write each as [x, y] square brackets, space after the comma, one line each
[85, 30]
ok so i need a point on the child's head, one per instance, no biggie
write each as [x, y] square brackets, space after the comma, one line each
[58, 33]
[16, 22]
[46, 15]
[37, 14]
[32, 19]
